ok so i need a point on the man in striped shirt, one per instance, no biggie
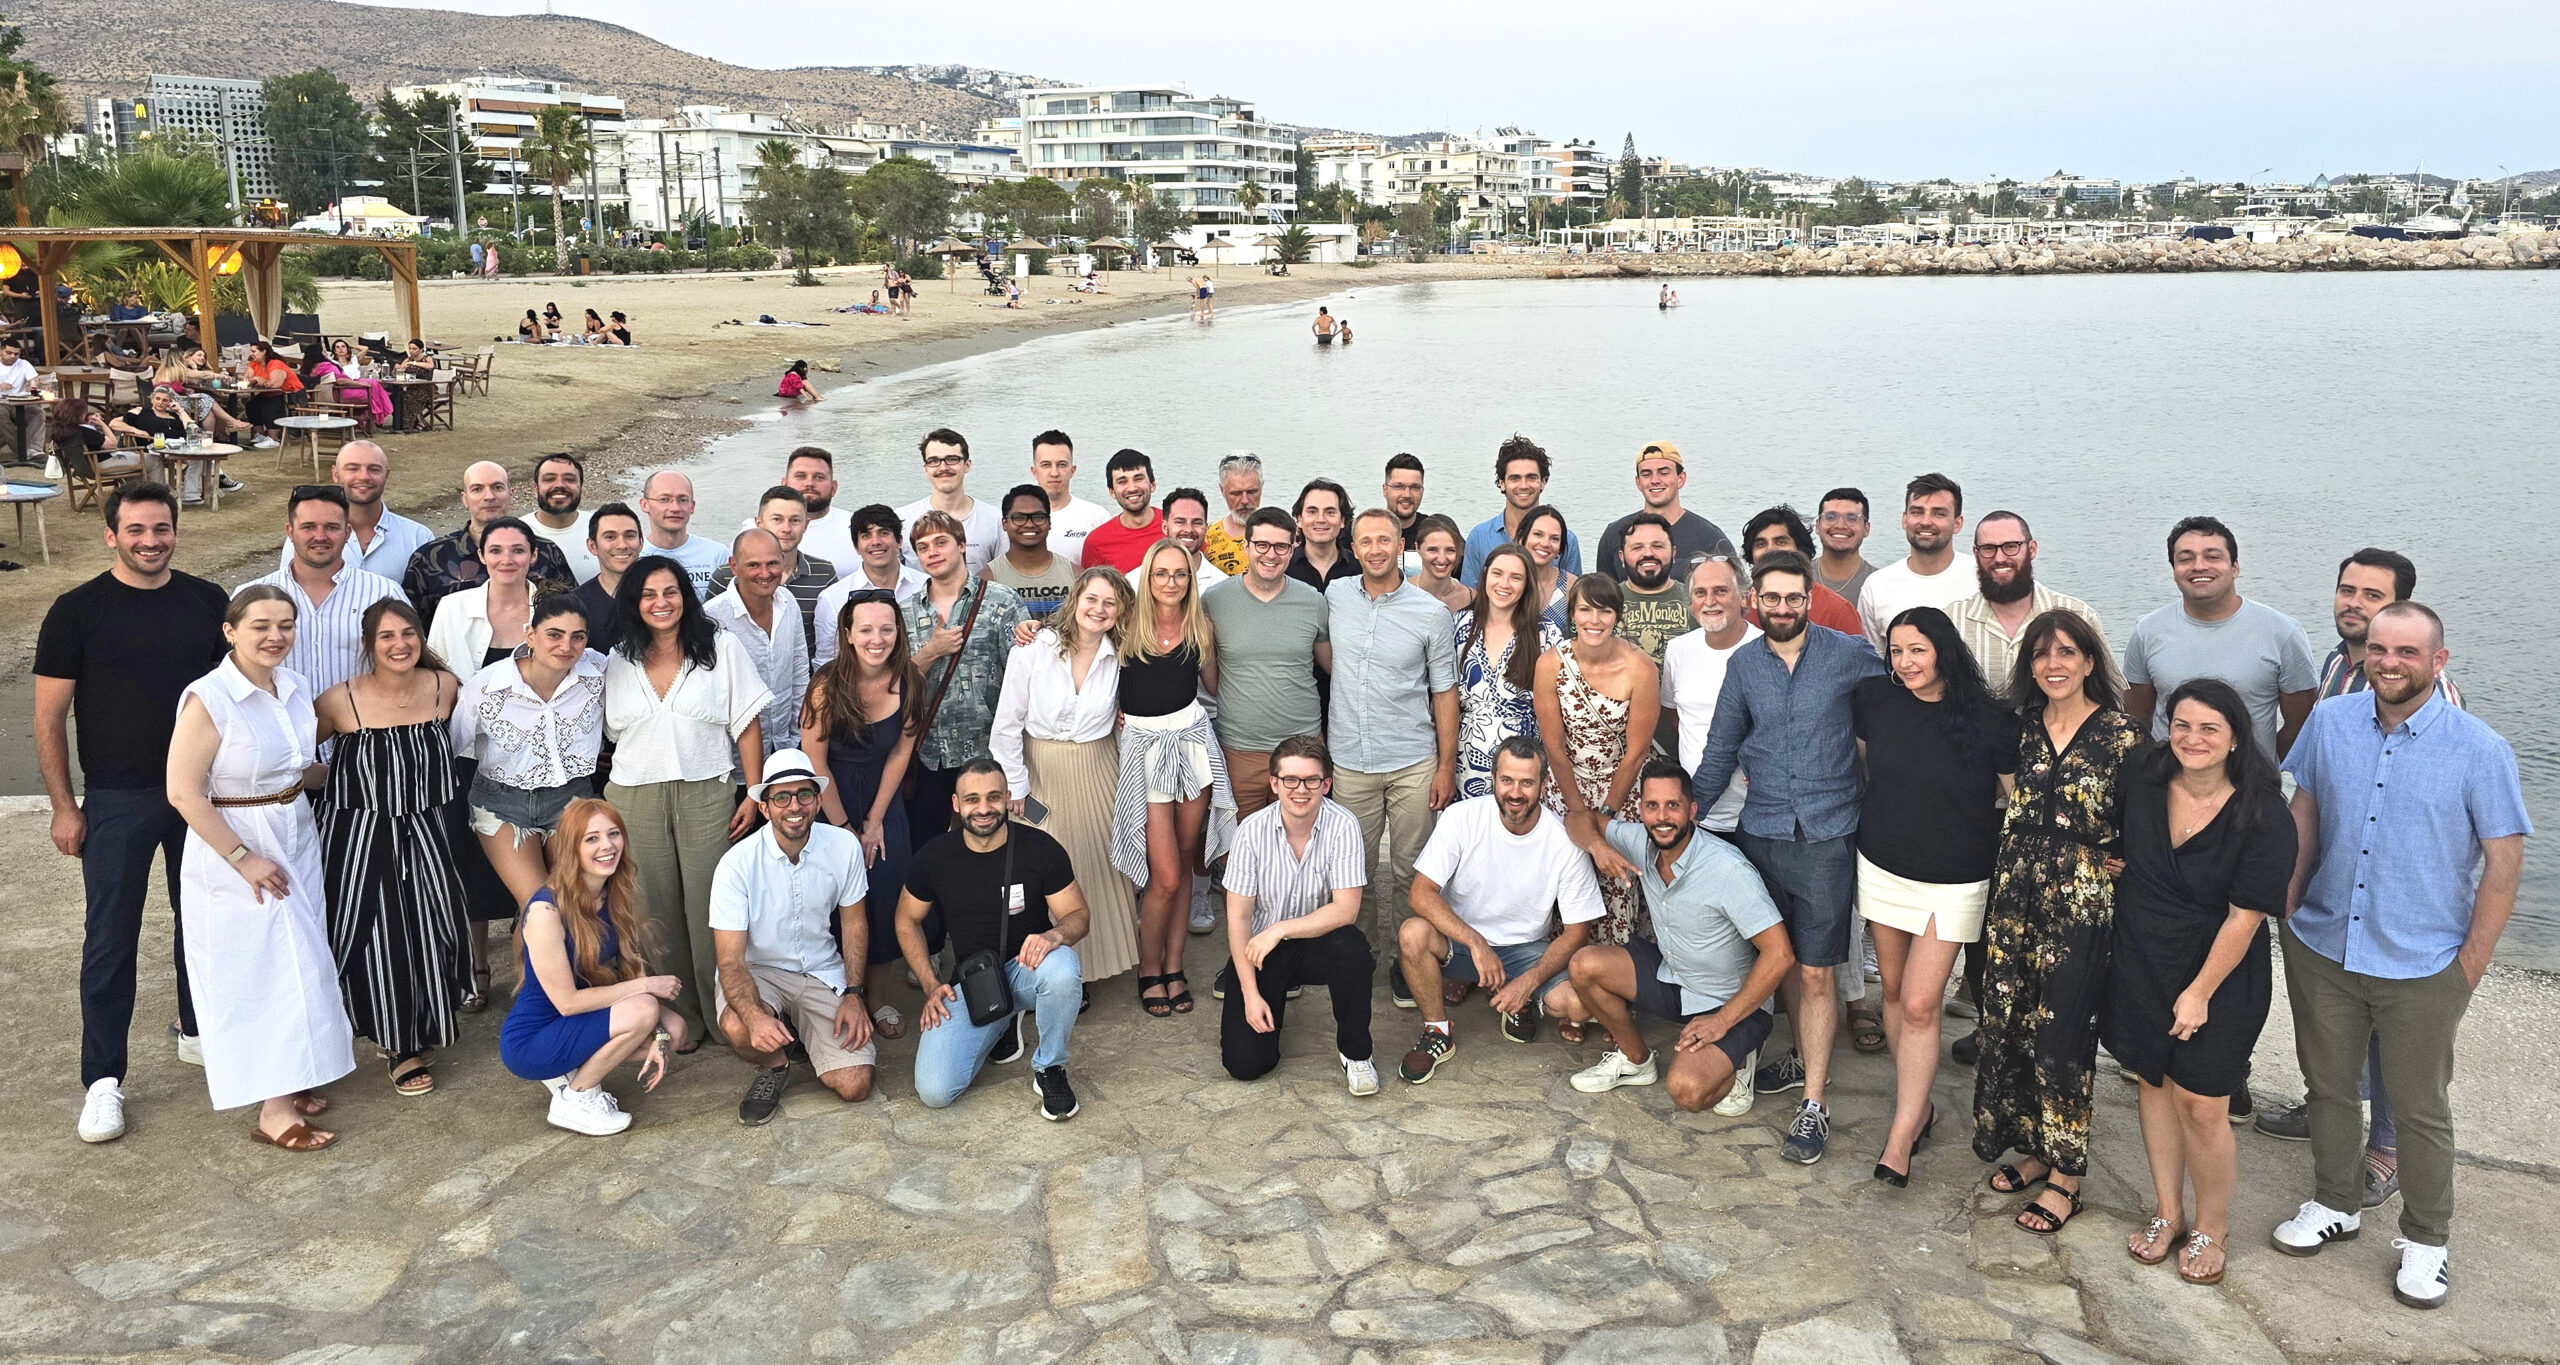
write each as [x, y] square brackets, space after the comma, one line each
[1294, 878]
[330, 595]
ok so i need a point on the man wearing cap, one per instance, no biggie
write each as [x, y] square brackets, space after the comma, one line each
[783, 987]
[1660, 476]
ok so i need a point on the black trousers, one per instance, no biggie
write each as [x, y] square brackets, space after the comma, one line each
[929, 810]
[126, 828]
[1339, 961]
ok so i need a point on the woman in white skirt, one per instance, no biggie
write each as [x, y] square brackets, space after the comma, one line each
[1940, 754]
[1056, 735]
[1173, 808]
[273, 1024]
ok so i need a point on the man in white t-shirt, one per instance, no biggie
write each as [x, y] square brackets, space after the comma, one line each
[666, 503]
[26, 420]
[559, 485]
[1487, 891]
[1693, 677]
[1932, 514]
[946, 467]
[1071, 519]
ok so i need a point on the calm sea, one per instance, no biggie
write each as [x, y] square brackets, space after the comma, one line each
[2315, 414]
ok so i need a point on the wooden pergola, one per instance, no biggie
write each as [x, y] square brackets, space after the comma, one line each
[202, 253]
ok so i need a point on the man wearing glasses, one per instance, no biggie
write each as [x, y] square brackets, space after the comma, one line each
[1991, 620]
[1840, 522]
[1783, 721]
[946, 467]
[1660, 478]
[667, 500]
[1268, 625]
[1294, 880]
[1041, 578]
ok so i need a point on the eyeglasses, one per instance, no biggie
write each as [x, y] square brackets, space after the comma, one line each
[1300, 784]
[1270, 547]
[1794, 601]
[1026, 517]
[945, 461]
[2006, 549]
[797, 796]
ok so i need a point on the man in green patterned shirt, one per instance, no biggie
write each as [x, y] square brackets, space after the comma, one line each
[962, 660]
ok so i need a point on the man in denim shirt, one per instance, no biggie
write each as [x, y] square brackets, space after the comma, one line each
[1783, 719]
[2412, 824]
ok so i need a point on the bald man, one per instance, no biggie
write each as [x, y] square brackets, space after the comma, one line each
[448, 564]
[666, 503]
[379, 541]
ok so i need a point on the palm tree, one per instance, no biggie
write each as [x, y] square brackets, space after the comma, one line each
[1251, 197]
[1295, 245]
[1538, 206]
[559, 151]
[30, 113]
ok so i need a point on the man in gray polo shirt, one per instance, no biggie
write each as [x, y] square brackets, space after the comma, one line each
[1394, 716]
[1268, 626]
[1722, 952]
[1294, 880]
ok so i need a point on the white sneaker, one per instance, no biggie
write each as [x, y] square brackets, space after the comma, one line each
[1614, 1070]
[1202, 918]
[1737, 1101]
[590, 1112]
[2423, 1277]
[2316, 1225]
[263, 443]
[1363, 1075]
[102, 1114]
[190, 1047]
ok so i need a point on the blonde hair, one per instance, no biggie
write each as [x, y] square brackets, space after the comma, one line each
[1069, 629]
[1140, 634]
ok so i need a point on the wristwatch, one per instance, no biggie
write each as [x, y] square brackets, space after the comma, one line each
[854, 988]
[237, 855]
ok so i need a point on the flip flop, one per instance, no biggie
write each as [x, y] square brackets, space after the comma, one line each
[2159, 1235]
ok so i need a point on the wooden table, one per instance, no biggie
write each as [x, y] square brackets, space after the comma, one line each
[407, 395]
[21, 496]
[211, 456]
[311, 425]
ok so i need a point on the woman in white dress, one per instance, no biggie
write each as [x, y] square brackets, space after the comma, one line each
[273, 1024]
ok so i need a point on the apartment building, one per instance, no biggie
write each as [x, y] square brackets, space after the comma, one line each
[498, 113]
[1201, 151]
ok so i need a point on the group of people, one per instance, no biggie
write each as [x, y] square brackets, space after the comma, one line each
[549, 327]
[1027, 745]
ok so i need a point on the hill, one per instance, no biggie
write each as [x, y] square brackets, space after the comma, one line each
[100, 47]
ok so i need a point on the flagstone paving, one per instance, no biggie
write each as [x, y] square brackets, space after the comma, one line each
[1494, 1215]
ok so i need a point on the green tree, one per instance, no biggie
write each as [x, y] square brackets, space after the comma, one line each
[1303, 172]
[907, 199]
[1097, 203]
[1160, 217]
[322, 134]
[1295, 245]
[1251, 198]
[558, 152]
[410, 136]
[1630, 178]
[32, 110]
[806, 208]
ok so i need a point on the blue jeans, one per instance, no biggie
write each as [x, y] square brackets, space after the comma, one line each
[126, 827]
[950, 1054]
[2385, 1135]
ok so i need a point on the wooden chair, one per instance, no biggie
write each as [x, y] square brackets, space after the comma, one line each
[472, 372]
[437, 410]
[324, 402]
[86, 476]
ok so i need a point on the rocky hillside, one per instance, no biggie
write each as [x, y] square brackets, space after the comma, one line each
[111, 46]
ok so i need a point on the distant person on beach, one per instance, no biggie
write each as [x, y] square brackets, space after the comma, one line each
[595, 329]
[1342, 329]
[795, 386]
[529, 331]
[618, 332]
[1324, 326]
[1199, 286]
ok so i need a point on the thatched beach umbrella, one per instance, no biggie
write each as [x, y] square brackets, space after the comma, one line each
[950, 249]
[1103, 246]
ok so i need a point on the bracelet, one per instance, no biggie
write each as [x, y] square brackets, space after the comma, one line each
[661, 1038]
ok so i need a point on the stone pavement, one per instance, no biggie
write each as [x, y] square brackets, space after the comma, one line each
[1493, 1215]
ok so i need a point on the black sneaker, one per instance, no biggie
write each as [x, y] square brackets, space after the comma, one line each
[1397, 991]
[1807, 1135]
[764, 1095]
[1057, 1098]
[1786, 1073]
[2243, 1108]
[1008, 1046]
[1521, 1027]
[1436, 1047]
[2288, 1123]
[1967, 1050]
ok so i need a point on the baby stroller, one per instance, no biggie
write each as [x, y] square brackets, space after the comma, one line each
[995, 282]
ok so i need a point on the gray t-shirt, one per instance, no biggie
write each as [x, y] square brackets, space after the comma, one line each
[2259, 650]
[1041, 593]
[1266, 668]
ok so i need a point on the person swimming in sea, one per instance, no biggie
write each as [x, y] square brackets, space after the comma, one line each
[1668, 299]
[1324, 326]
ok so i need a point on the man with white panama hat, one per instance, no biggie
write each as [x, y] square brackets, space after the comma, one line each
[783, 985]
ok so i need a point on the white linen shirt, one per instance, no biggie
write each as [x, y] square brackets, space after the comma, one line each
[786, 908]
[691, 733]
[781, 659]
[1039, 699]
[522, 741]
[460, 632]
[831, 605]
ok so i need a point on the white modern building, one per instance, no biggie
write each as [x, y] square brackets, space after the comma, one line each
[1351, 161]
[703, 162]
[1201, 151]
[498, 113]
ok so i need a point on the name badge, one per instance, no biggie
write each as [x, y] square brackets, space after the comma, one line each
[1013, 899]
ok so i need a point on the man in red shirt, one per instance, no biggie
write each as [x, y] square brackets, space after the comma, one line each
[1122, 541]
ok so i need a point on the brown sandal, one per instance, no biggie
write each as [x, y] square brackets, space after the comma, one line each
[311, 1104]
[301, 1137]
[2197, 1242]
[419, 1079]
[2158, 1236]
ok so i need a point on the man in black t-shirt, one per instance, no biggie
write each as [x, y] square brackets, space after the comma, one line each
[1004, 889]
[120, 649]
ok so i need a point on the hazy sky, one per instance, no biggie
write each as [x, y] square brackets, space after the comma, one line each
[2215, 88]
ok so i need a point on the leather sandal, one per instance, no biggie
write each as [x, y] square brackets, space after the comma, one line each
[2158, 1237]
[301, 1137]
[1177, 992]
[2011, 1180]
[2048, 1222]
[1156, 1006]
[419, 1079]
[311, 1104]
[2197, 1244]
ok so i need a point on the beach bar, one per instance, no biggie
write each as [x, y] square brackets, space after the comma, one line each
[254, 254]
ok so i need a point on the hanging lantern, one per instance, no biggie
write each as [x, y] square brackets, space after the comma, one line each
[10, 261]
[223, 260]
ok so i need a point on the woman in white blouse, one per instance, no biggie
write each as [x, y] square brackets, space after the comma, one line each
[683, 705]
[477, 627]
[1057, 735]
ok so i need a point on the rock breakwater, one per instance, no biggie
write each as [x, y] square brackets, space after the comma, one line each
[2527, 251]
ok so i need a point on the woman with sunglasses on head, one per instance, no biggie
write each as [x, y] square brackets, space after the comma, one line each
[858, 722]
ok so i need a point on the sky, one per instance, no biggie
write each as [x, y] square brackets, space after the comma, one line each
[2218, 89]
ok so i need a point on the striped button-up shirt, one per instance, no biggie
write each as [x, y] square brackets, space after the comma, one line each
[328, 636]
[1995, 650]
[1261, 865]
[781, 658]
[1391, 655]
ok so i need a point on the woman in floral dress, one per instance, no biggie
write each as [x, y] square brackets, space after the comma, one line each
[2051, 921]
[1598, 699]
[1499, 645]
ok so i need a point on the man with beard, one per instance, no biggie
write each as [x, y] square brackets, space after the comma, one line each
[829, 535]
[1693, 668]
[448, 564]
[783, 513]
[1123, 541]
[2213, 632]
[1783, 721]
[1186, 523]
[1932, 514]
[1403, 492]
[1991, 620]
[1660, 477]
[1656, 609]
[2400, 800]
[1780, 528]
[1717, 954]
[1240, 485]
[559, 481]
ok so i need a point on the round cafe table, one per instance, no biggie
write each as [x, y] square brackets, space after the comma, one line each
[211, 457]
[21, 496]
[408, 395]
[311, 425]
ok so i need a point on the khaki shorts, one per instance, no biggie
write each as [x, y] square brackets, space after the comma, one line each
[808, 1005]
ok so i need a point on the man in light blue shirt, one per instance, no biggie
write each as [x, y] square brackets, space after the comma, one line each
[1393, 714]
[2412, 822]
[1520, 470]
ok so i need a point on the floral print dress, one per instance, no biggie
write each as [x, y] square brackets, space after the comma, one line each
[2046, 943]
[1595, 739]
[1490, 709]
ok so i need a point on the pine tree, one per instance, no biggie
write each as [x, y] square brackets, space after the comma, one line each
[1631, 178]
